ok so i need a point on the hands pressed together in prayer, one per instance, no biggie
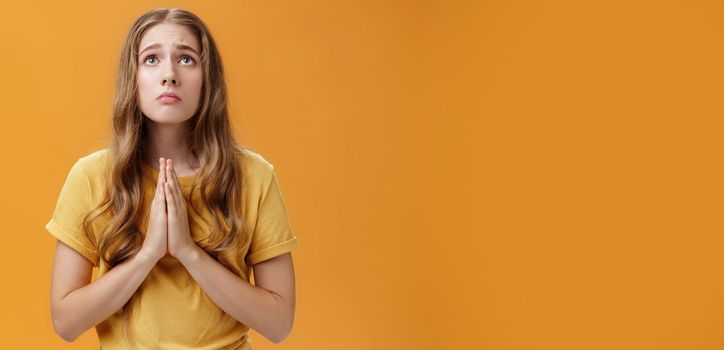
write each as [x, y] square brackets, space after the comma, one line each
[168, 226]
[254, 305]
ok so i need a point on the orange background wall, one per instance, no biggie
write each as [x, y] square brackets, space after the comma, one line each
[460, 174]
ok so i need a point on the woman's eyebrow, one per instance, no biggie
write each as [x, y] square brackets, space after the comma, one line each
[178, 46]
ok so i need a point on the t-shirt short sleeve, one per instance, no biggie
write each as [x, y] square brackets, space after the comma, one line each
[273, 234]
[66, 223]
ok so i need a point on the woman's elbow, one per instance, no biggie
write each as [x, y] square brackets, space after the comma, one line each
[279, 338]
[62, 330]
[284, 334]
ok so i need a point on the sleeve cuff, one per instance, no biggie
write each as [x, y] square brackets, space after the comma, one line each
[273, 251]
[62, 234]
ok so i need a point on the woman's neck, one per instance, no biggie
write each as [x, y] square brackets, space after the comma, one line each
[169, 141]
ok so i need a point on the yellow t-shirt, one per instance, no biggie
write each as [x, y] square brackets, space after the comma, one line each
[173, 311]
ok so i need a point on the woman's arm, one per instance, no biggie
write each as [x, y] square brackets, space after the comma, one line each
[76, 304]
[267, 308]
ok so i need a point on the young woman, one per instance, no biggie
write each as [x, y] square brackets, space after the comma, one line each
[174, 214]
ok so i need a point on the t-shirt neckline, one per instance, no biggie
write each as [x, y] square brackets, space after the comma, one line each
[153, 172]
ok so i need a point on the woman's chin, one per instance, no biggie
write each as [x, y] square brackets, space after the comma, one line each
[169, 119]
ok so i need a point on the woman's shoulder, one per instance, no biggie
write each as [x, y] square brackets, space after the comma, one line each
[258, 171]
[254, 161]
[98, 155]
[92, 163]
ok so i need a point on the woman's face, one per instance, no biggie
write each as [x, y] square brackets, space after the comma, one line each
[168, 61]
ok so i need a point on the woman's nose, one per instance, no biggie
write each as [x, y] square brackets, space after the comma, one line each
[169, 75]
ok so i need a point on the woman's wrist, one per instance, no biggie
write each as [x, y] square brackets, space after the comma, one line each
[147, 256]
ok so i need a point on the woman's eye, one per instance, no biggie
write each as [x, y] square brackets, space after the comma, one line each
[184, 59]
[147, 57]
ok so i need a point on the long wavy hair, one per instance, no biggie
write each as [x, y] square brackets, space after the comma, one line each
[210, 139]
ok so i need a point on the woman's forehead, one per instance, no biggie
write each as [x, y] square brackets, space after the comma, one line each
[169, 35]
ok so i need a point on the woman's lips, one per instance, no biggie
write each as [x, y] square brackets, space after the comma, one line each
[168, 99]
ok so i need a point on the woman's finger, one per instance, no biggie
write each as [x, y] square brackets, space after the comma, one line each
[159, 184]
[176, 186]
[160, 193]
[170, 200]
[162, 170]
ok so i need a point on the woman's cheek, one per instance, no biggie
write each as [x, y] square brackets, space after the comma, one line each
[197, 82]
[143, 89]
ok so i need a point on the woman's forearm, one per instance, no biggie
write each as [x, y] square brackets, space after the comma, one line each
[88, 306]
[253, 306]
